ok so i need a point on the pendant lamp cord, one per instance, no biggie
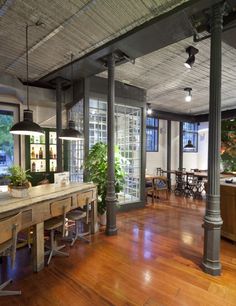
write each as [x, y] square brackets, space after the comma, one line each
[72, 82]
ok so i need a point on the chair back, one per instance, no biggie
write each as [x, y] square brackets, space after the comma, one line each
[159, 171]
[9, 229]
[60, 207]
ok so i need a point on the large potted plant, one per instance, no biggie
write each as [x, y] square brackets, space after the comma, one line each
[19, 183]
[96, 171]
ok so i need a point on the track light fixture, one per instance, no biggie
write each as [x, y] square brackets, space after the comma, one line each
[149, 109]
[188, 97]
[27, 126]
[191, 56]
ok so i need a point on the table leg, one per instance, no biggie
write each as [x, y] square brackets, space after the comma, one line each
[94, 217]
[38, 247]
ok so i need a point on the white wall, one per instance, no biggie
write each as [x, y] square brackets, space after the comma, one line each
[190, 160]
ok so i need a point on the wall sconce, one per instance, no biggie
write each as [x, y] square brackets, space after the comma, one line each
[191, 56]
[188, 97]
[149, 109]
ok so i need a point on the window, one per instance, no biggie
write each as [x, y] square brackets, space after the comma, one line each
[190, 136]
[152, 134]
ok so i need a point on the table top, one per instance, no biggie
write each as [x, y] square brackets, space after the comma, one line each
[153, 177]
[39, 194]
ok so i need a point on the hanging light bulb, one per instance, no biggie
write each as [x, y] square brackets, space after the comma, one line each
[27, 126]
[188, 97]
[149, 109]
[71, 133]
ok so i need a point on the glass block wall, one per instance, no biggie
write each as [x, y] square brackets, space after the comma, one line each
[128, 139]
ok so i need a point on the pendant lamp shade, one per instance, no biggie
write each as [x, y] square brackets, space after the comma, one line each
[189, 145]
[27, 126]
[71, 133]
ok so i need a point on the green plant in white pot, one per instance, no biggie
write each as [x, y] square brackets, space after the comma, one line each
[19, 182]
[96, 171]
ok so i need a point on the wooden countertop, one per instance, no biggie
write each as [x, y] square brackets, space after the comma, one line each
[39, 194]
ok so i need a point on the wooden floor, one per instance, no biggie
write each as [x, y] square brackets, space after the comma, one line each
[154, 260]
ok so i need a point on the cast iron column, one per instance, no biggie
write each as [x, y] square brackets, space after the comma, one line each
[111, 200]
[59, 123]
[212, 220]
[181, 145]
[169, 153]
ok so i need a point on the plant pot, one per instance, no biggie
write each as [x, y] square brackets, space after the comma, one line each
[18, 192]
[103, 219]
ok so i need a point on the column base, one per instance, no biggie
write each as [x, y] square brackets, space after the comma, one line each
[111, 231]
[211, 268]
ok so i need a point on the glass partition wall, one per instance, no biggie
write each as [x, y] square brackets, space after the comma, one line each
[128, 122]
[127, 138]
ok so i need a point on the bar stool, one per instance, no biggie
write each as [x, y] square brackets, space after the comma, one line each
[9, 229]
[58, 212]
[77, 216]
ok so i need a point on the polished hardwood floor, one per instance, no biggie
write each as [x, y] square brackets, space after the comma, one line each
[153, 261]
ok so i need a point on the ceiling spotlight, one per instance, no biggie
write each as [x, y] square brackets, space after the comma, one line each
[149, 109]
[191, 56]
[188, 97]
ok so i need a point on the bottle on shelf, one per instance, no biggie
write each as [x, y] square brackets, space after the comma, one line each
[52, 166]
[32, 153]
[41, 166]
[40, 153]
[54, 155]
[32, 139]
[33, 169]
[42, 138]
[51, 138]
[51, 153]
[36, 156]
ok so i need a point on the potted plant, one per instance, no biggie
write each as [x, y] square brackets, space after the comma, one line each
[96, 171]
[19, 183]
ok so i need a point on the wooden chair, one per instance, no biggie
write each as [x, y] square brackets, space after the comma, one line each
[58, 212]
[149, 189]
[9, 229]
[78, 216]
[161, 184]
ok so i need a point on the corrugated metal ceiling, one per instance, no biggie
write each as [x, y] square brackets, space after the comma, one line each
[164, 76]
[72, 26]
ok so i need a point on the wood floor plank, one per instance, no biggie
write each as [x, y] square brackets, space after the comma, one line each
[155, 260]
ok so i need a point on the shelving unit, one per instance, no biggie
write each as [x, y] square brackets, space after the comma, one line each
[41, 156]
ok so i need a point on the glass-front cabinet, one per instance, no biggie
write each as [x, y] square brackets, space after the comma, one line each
[41, 156]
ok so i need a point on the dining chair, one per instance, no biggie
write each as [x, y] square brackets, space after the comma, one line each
[80, 216]
[9, 229]
[149, 189]
[161, 184]
[58, 210]
[180, 183]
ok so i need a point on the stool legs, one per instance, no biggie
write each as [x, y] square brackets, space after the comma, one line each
[54, 249]
[78, 235]
[7, 292]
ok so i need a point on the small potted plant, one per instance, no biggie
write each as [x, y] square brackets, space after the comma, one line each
[96, 171]
[19, 183]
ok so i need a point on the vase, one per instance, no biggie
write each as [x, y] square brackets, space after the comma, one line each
[103, 218]
[19, 192]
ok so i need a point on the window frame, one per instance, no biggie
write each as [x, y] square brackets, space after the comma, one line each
[153, 128]
[193, 132]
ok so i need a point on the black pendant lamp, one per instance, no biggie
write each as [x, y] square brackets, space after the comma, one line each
[27, 126]
[71, 133]
[189, 145]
